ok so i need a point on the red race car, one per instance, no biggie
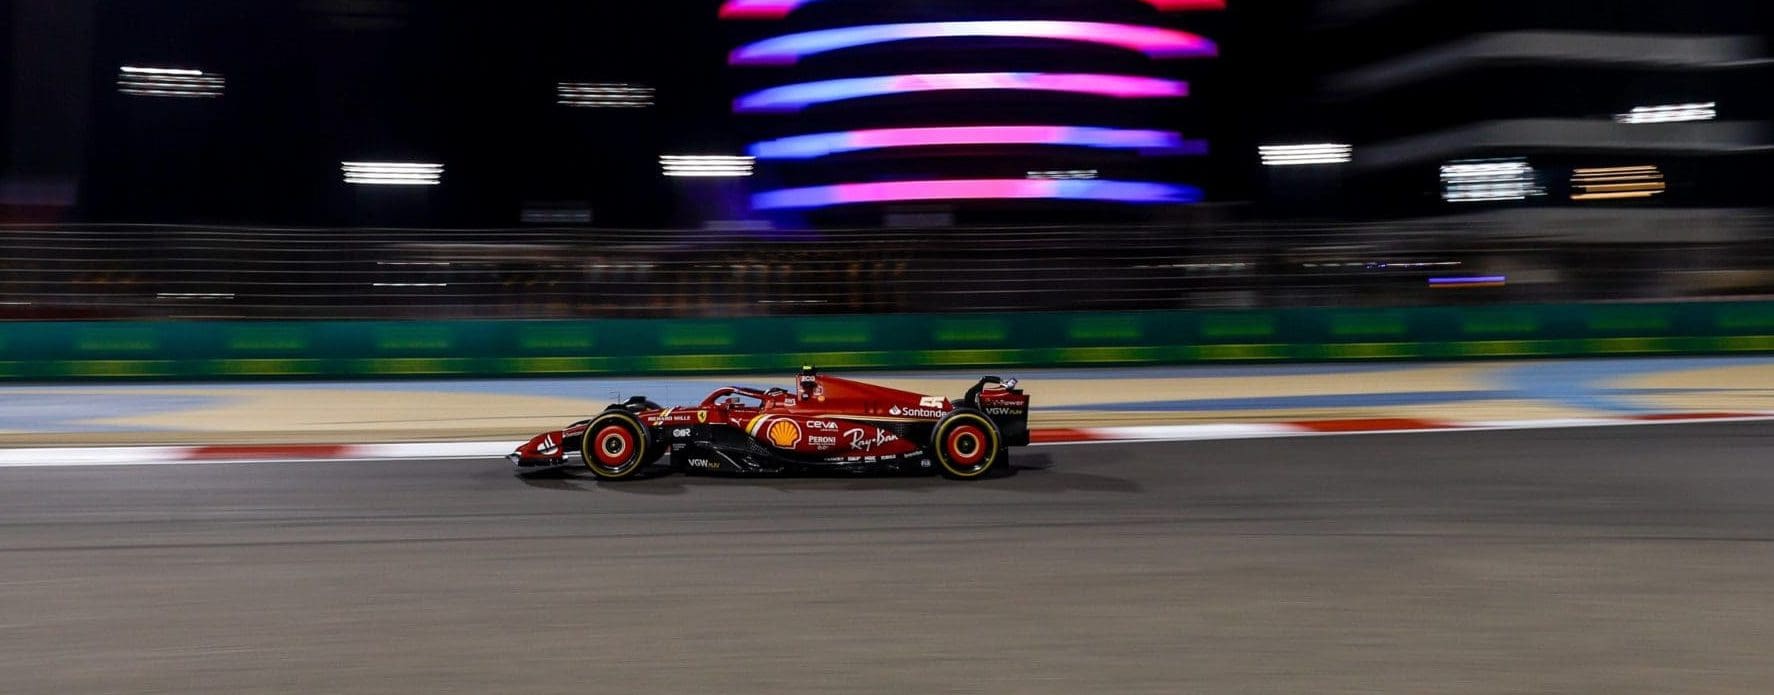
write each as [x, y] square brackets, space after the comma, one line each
[826, 423]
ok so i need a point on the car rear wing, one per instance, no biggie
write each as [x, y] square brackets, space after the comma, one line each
[1006, 405]
[972, 396]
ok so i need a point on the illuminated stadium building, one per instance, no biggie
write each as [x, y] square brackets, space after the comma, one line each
[348, 112]
[862, 112]
[1536, 110]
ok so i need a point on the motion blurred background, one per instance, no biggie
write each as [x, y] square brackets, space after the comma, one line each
[311, 245]
[400, 159]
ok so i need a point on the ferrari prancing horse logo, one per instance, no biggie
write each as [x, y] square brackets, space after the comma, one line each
[785, 434]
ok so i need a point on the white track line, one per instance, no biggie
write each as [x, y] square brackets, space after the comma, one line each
[72, 457]
[109, 456]
[1495, 426]
[435, 450]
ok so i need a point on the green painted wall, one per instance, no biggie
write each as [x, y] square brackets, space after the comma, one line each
[350, 349]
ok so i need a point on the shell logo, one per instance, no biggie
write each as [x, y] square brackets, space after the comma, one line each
[785, 434]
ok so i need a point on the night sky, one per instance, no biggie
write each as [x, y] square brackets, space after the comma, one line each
[314, 82]
[470, 83]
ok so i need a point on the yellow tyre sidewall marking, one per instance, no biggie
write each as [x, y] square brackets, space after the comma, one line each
[942, 453]
[640, 445]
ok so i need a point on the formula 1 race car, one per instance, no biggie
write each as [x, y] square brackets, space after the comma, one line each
[827, 423]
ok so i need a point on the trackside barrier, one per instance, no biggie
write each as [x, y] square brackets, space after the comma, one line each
[202, 350]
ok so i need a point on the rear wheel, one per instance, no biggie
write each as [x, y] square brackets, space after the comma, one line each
[966, 444]
[615, 446]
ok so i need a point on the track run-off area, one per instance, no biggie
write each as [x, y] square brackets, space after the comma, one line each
[1603, 559]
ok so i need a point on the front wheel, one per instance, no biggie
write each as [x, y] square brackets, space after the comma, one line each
[615, 446]
[966, 444]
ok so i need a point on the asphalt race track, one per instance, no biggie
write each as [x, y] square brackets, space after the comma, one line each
[1605, 560]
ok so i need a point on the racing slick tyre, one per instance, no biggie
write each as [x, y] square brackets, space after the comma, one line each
[966, 444]
[615, 446]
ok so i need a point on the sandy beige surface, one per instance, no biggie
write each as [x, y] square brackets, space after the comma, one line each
[244, 414]
[1744, 388]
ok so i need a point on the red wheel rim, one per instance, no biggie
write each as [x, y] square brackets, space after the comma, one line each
[613, 446]
[966, 445]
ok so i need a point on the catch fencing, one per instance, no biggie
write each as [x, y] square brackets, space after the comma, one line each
[164, 272]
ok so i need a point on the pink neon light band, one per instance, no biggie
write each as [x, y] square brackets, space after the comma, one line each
[794, 97]
[1186, 5]
[825, 144]
[976, 189]
[1156, 42]
[777, 9]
